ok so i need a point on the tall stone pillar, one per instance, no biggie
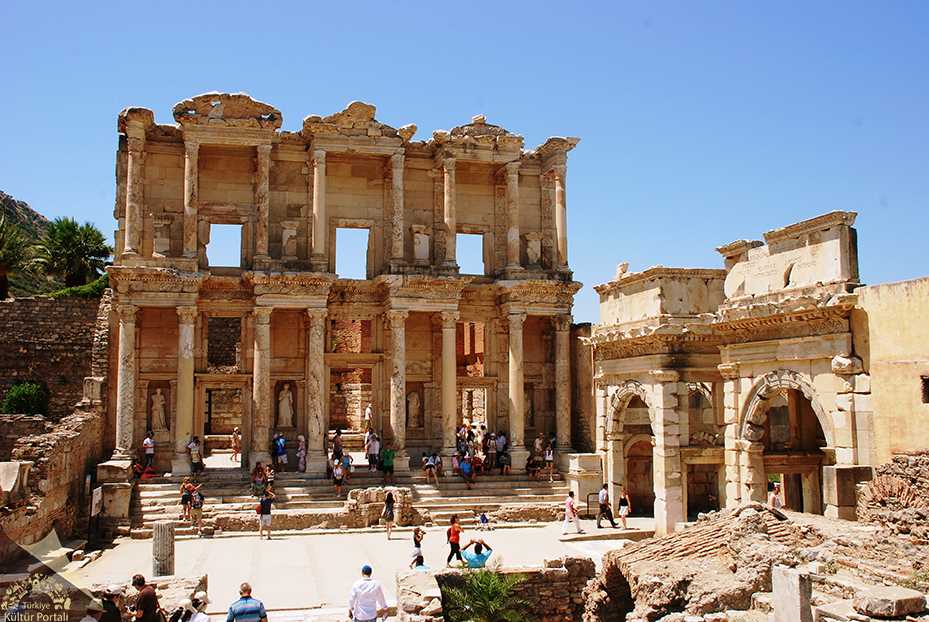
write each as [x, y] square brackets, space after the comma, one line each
[397, 320]
[191, 192]
[184, 405]
[561, 216]
[135, 194]
[451, 225]
[732, 453]
[669, 491]
[512, 216]
[262, 204]
[316, 426]
[125, 383]
[261, 388]
[449, 381]
[163, 548]
[320, 257]
[396, 233]
[517, 414]
[563, 382]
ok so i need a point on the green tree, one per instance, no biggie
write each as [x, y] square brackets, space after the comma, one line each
[76, 253]
[486, 596]
[13, 252]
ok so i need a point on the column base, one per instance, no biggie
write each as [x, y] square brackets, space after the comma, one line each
[396, 266]
[180, 464]
[319, 263]
[254, 457]
[114, 470]
[317, 464]
[513, 272]
[402, 462]
[518, 459]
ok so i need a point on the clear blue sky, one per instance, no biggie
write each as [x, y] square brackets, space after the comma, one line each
[701, 122]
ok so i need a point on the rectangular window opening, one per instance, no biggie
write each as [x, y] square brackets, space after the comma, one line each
[224, 248]
[469, 249]
[925, 382]
[351, 253]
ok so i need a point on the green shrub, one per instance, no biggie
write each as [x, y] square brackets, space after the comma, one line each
[26, 398]
[94, 289]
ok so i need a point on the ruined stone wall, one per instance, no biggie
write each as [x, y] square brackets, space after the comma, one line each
[50, 341]
[14, 427]
[61, 458]
[552, 593]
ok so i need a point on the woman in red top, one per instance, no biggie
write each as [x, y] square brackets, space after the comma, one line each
[454, 540]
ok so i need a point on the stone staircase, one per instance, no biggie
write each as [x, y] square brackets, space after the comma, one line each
[229, 491]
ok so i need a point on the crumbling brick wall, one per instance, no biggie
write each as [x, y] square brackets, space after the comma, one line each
[48, 340]
[14, 427]
[61, 458]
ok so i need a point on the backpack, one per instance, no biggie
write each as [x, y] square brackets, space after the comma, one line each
[196, 501]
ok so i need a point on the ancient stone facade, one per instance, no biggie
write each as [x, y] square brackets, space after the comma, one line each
[227, 162]
[48, 340]
[717, 381]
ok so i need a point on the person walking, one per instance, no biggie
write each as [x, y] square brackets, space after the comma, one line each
[236, 445]
[603, 498]
[148, 446]
[387, 463]
[246, 609]
[372, 449]
[570, 514]
[186, 490]
[550, 462]
[453, 535]
[264, 512]
[430, 468]
[418, 535]
[196, 455]
[366, 601]
[196, 510]
[625, 505]
[388, 513]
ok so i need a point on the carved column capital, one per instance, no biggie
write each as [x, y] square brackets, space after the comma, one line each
[263, 150]
[557, 172]
[126, 312]
[187, 314]
[562, 322]
[512, 170]
[448, 164]
[729, 371]
[263, 315]
[449, 319]
[191, 148]
[316, 315]
[516, 319]
[397, 319]
[319, 156]
[135, 145]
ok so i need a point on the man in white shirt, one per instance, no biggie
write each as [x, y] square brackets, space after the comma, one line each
[149, 446]
[606, 509]
[366, 602]
[570, 514]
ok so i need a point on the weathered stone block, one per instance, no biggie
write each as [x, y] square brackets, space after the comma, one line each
[792, 591]
[888, 601]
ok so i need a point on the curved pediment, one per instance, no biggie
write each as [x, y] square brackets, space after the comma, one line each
[227, 109]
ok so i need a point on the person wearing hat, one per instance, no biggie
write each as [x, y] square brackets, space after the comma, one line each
[366, 603]
[94, 611]
[112, 604]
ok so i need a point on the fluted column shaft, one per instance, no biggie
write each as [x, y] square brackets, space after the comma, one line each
[317, 425]
[563, 381]
[396, 235]
[512, 215]
[184, 405]
[320, 224]
[449, 380]
[261, 387]
[262, 204]
[516, 380]
[191, 192]
[561, 215]
[397, 320]
[135, 193]
[451, 226]
[125, 382]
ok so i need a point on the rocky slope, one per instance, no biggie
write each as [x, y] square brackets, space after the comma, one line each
[33, 225]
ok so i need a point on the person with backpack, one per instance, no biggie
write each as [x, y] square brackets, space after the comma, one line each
[196, 510]
[453, 536]
[264, 513]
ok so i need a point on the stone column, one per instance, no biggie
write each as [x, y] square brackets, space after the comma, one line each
[316, 369]
[184, 404]
[135, 194]
[191, 191]
[730, 374]
[451, 226]
[397, 320]
[261, 388]
[561, 216]
[512, 216]
[262, 205]
[563, 382]
[516, 387]
[449, 381]
[320, 257]
[669, 493]
[125, 383]
[163, 548]
[396, 234]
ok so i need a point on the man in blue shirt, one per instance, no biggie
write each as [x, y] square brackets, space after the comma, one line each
[247, 609]
[479, 556]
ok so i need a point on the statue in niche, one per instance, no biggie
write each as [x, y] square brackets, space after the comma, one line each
[414, 412]
[159, 420]
[529, 409]
[285, 407]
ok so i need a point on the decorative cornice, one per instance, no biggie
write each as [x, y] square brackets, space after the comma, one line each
[538, 291]
[657, 272]
[230, 110]
[126, 279]
[289, 283]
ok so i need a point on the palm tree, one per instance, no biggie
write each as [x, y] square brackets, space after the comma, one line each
[486, 596]
[12, 253]
[76, 253]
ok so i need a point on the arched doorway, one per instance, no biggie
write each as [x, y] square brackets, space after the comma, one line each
[631, 447]
[640, 476]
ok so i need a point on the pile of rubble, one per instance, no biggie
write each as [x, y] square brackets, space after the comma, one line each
[720, 569]
[898, 497]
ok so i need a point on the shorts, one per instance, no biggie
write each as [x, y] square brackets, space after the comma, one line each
[185, 498]
[282, 458]
[624, 510]
[264, 521]
[337, 481]
[387, 469]
[196, 514]
[430, 467]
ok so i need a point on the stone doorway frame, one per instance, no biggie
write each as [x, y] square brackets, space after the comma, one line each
[241, 382]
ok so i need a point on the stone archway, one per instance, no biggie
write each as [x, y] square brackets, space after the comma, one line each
[618, 436]
[753, 413]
